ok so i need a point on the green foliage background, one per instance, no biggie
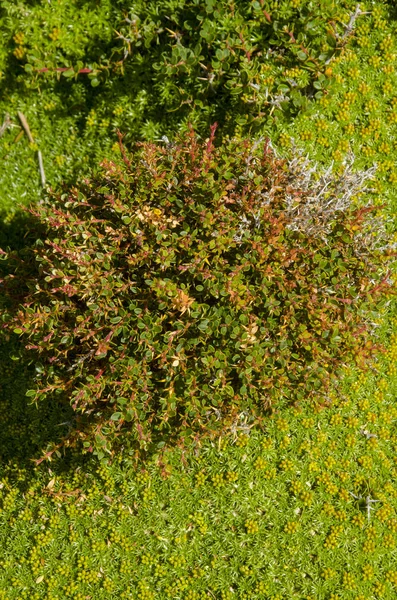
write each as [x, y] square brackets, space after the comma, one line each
[49, 547]
[156, 67]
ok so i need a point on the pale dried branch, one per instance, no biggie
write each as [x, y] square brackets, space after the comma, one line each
[350, 26]
[6, 124]
[41, 167]
[25, 125]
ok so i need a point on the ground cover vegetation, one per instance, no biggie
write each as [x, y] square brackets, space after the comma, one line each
[204, 522]
[83, 69]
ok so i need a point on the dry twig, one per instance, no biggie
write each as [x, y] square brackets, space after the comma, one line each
[350, 26]
[6, 124]
[348, 29]
[368, 503]
[26, 127]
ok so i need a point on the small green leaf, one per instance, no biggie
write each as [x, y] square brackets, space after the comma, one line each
[115, 320]
[17, 330]
[283, 88]
[129, 416]
[115, 416]
[30, 393]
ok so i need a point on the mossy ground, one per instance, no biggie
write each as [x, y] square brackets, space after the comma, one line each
[281, 513]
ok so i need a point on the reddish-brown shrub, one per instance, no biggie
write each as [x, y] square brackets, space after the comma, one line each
[187, 281]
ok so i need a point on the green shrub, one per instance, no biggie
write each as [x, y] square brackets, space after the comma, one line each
[186, 282]
[80, 70]
[177, 57]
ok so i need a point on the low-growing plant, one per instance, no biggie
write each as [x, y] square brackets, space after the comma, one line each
[78, 71]
[186, 282]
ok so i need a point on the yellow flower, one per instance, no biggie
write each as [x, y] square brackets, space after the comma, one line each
[291, 527]
[19, 38]
[19, 52]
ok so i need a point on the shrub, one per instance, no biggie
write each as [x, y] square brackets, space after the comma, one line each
[80, 70]
[174, 58]
[186, 282]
